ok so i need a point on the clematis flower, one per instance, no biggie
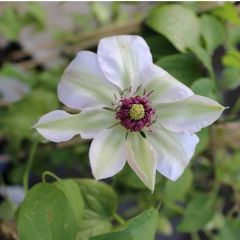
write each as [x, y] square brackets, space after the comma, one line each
[134, 111]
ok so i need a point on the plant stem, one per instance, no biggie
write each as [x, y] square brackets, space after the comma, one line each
[47, 173]
[195, 236]
[29, 165]
[119, 219]
[173, 206]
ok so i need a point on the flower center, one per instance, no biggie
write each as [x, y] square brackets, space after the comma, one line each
[135, 113]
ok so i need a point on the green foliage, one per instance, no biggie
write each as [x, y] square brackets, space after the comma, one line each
[227, 12]
[232, 59]
[230, 230]
[7, 210]
[50, 212]
[100, 203]
[177, 23]
[198, 213]
[101, 12]
[204, 57]
[12, 22]
[164, 225]
[10, 25]
[204, 138]
[160, 46]
[35, 14]
[213, 32]
[174, 64]
[141, 227]
[205, 87]
[231, 78]
[177, 190]
[21, 113]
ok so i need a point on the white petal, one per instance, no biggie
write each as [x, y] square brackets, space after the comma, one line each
[174, 150]
[164, 86]
[60, 126]
[190, 114]
[83, 85]
[108, 152]
[122, 59]
[142, 159]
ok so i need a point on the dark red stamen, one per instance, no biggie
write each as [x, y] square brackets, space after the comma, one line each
[123, 113]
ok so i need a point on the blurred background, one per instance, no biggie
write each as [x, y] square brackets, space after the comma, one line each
[39, 39]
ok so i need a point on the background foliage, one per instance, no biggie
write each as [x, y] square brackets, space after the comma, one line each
[198, 43]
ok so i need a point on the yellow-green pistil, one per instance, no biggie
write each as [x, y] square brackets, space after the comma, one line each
[136, 112]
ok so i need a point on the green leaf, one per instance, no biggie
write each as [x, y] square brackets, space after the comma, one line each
[160, 46]
[10, 24]
[233, 38]
[141, 227]
[25, 113]
[177, 190]
[213, 32]
[204, 136]
[101, 12]
[182, 66]
[164, 226]
[12, 71]
[72, 192]
[100, 207]
[7, 210]
[92, 224]
[129, 178]
[217, 222]
[231, 78]
[35, 15]
[204, 57]
[198, 213]
[98, 197]
[47, 213]
[228, 12]
[205, 87]
[232, 59]
[177, 23]
[230, 230]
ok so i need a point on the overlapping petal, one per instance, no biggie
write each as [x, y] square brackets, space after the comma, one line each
[108, 153]
[190, 114]
[60, 126]
[164, 87]
[122, 59]
[174, 150]
[142, 159]
[83, 85]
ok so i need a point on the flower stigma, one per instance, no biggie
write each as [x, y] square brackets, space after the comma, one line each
[136, 112]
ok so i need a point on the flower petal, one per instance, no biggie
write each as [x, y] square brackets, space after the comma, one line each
[164, 86]
[122, 59]
[108, 153]
[83, 85]
[142, 159]
[60, 126]
[190, 114]
[174, 150]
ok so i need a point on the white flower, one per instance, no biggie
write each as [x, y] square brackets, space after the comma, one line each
[134, 111]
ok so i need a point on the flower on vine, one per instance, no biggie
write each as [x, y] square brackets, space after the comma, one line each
[134, 111]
